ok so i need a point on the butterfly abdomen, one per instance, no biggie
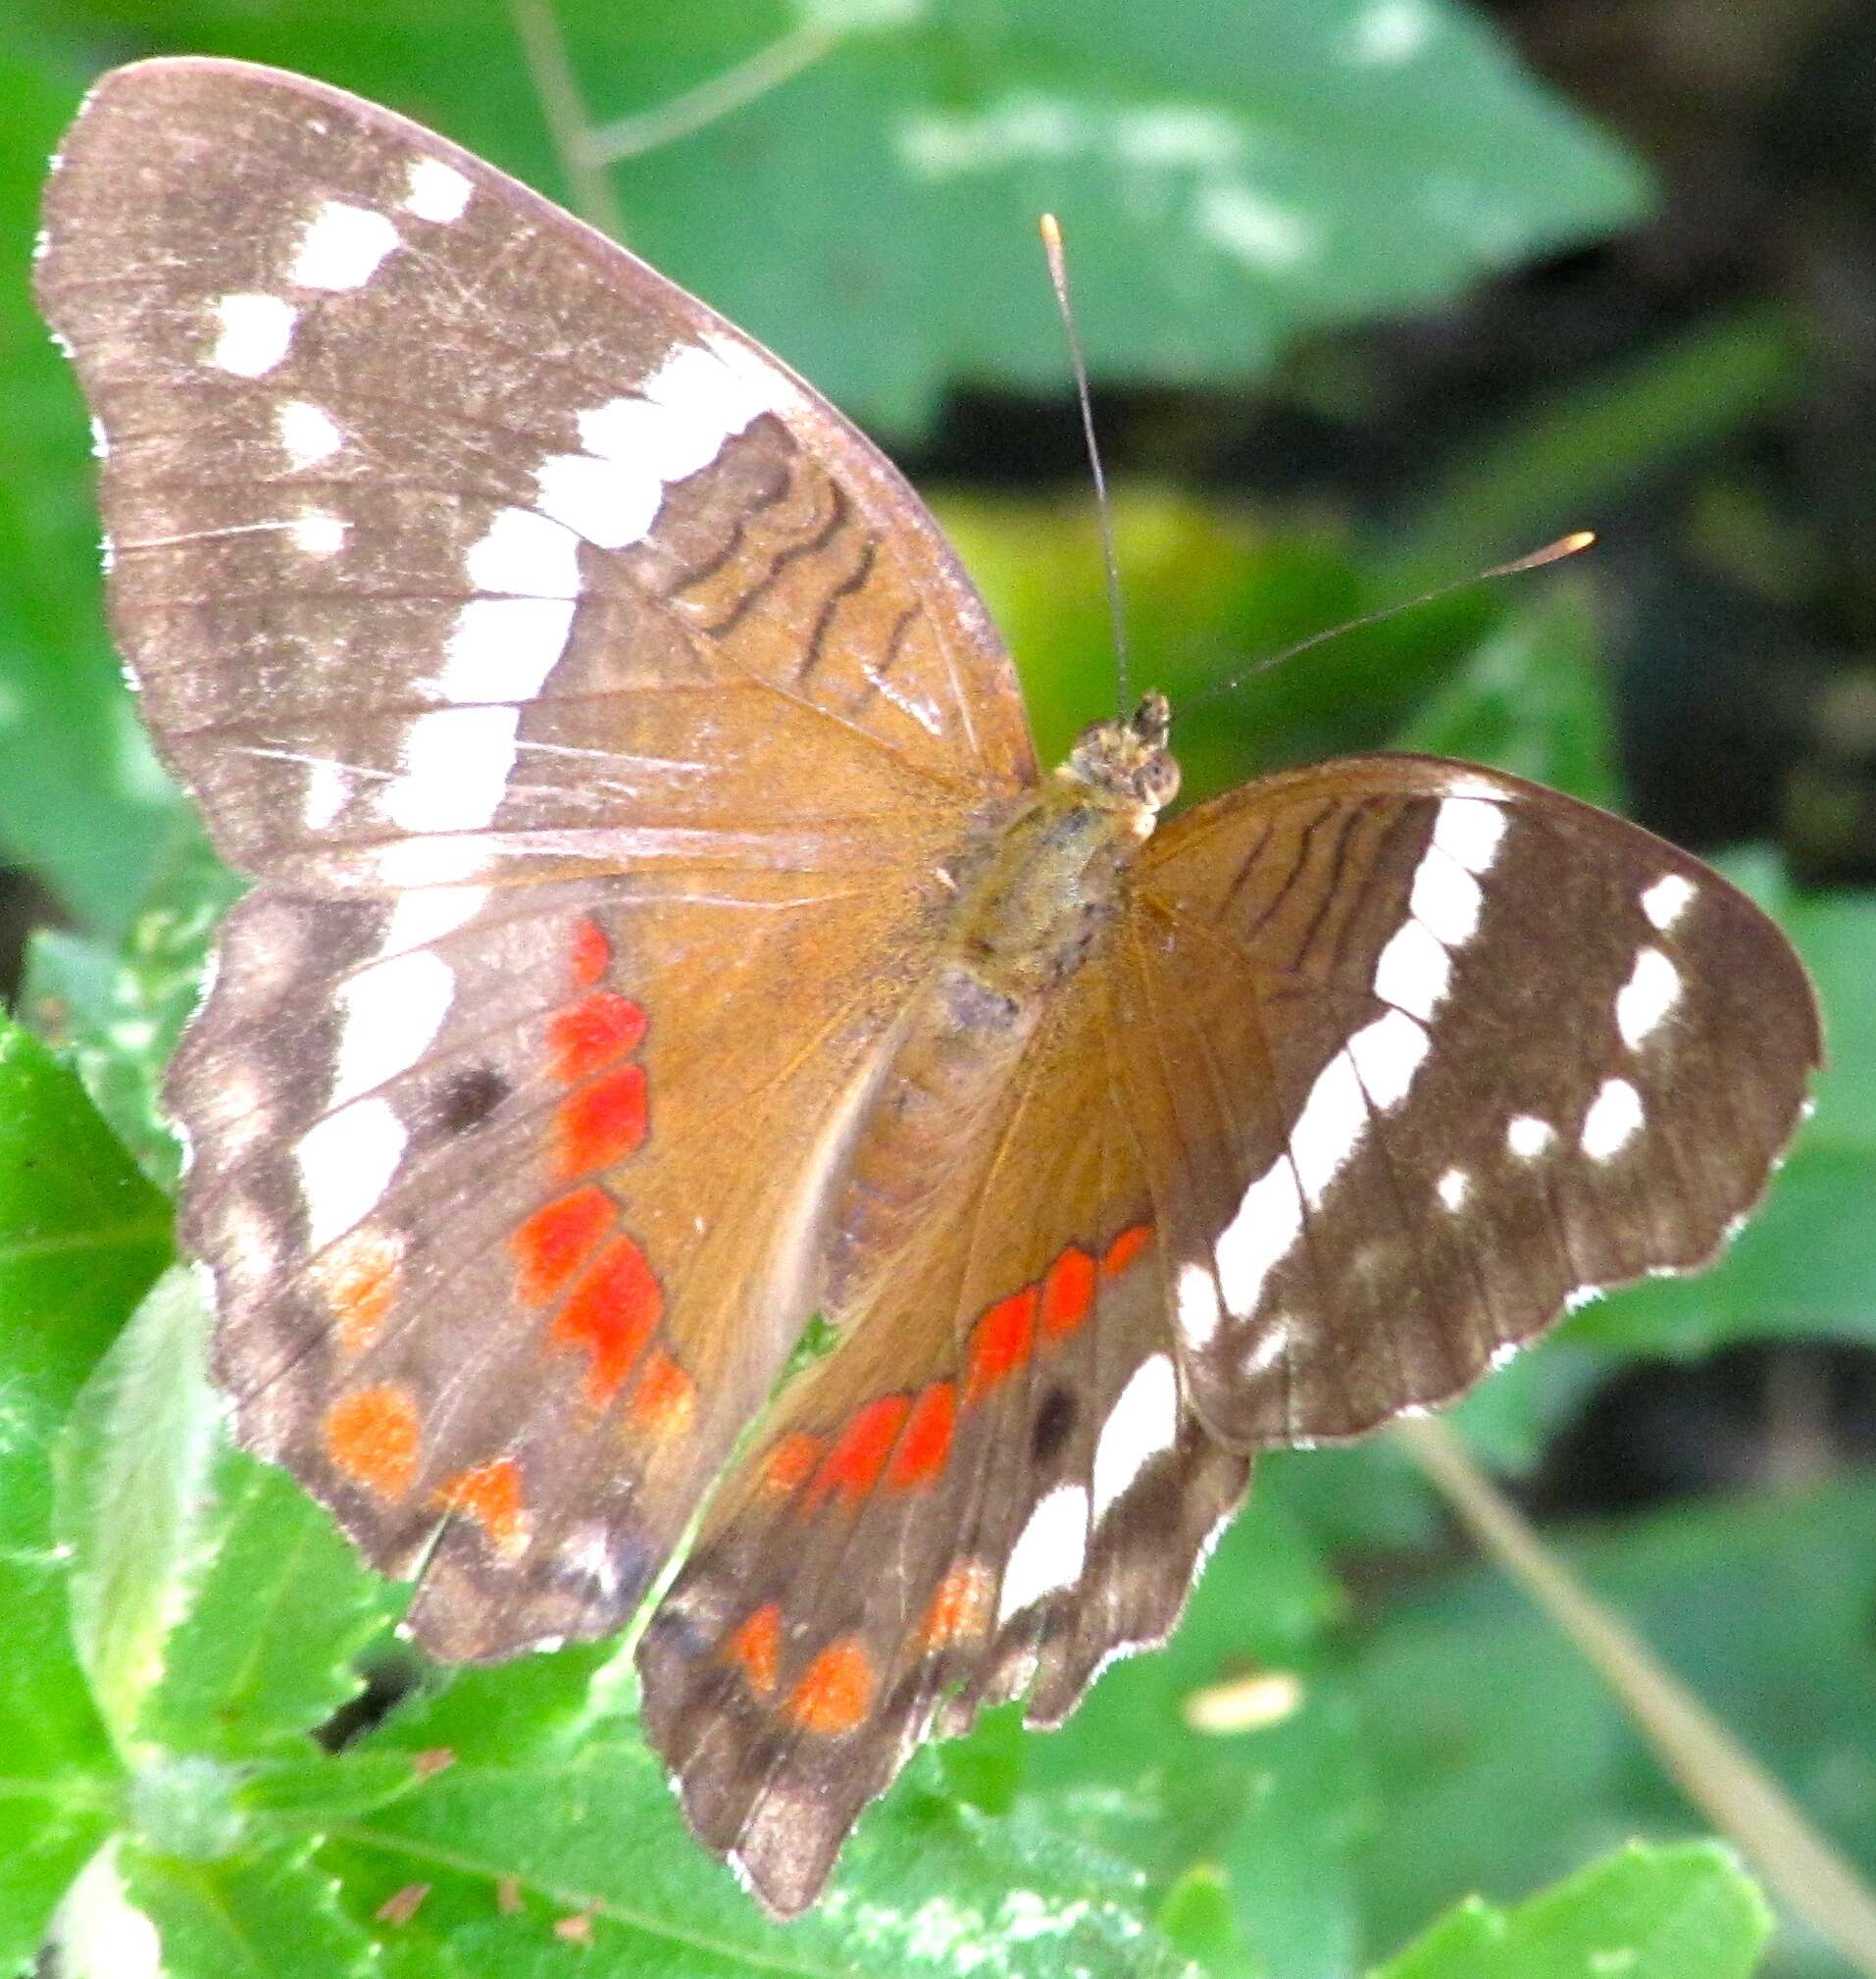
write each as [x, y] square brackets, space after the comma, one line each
[1022, 925]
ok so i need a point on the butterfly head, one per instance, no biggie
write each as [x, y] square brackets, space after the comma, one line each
[1128, 763]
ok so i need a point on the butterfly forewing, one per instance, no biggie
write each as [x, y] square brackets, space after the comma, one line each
[1433, 1053]
[597, 708]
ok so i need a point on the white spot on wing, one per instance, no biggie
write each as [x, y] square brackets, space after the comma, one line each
[640, 444]
[428, 914]
[255, 333]
[393, 1013]
[316, 533]
[1195, 1305]
[1414, 971]
[526, 555]
[502, 649]
[1453, 1186]
[456, 764]
[1048, 1554]
[1613, 1120]
[1446, 898]
[1652, 990]
[1376, 1070]
[327, 788]
[1528, 1137]
[437, 191]
[1468, 830]
[346, 1162]
[1667, 899]
[307, 432]
[341, 247]
[1143, 1422]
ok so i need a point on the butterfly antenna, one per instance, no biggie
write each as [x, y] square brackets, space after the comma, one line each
[1052, 230]
[1531, 559]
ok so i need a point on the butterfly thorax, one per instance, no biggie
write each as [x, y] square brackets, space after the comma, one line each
[1032, 906]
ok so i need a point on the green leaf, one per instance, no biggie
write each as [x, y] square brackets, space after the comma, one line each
[591, 1830]
[119, 1008]
[1230, 176]
[1684, 1912]
[271, 1915]
[1531, 699]
[80, 1236]
[1555, 468]
[1498, 1762]
[265, 1649]
[82, 798]
[132, 1473]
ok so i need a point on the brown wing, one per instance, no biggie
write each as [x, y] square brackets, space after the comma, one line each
[1424, 1055]
[598, 710]
[990, 1487]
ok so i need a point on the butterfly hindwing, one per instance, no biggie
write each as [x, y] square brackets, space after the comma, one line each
[1436, 1052]
[987, 1489]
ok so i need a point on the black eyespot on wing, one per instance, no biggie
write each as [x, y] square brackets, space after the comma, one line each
[1054, 1422]
[466, 1099]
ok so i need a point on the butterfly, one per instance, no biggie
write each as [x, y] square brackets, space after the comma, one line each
[662, 931]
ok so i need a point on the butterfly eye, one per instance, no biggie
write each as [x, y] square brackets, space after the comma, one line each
[1157, 781]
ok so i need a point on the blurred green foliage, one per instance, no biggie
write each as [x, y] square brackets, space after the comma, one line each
[182, 1618]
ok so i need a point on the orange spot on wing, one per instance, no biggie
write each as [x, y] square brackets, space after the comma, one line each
[553, 1243]
[852, 1466]
[602, 1123]
[1000, 1342]
[960, 1609]
[1068, 1292]
[756, 1649]
[664, 1402]
[835, 1691]
[587, 1035]
[591, 953]
[358, 1276]
[491, 1494]
[927, 1441]
[611, 1313]
[1125, 1249]
[787, 1466]
[372, 1436]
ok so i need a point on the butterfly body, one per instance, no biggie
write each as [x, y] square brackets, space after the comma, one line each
[660, 927]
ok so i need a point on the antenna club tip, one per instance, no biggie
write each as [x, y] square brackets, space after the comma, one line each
[1577, 539]
[1051, 230]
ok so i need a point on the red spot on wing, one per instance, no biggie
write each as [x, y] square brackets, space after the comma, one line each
[587, 1035]
[373, 1434]
[591, 953]
[554, 1242]
[359, 1278]
[602, 1123]
[852, 1466]
[611, 1313]
[1125, 1249]
[1000, 1342]
[664, 1402]
[1068, 1292]
[756, 1649]
[835, 1691]
[927, 1441]
[789, 1465]
[491, 1494]
[960, 1609]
